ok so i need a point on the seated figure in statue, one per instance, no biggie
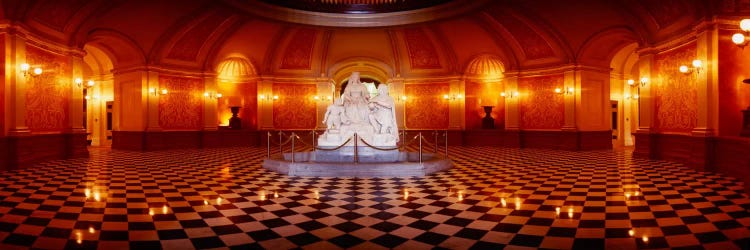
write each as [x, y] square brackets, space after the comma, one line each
[332, 118]
[355, 99]
[383, 116]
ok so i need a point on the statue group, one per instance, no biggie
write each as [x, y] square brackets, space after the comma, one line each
[372, 119]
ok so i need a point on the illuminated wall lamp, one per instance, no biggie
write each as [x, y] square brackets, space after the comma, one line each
[643, 82]
[319, 98]
[740, 38]
[403, 98]
[89, 83]
[25, 70]
[568, 91]
[268, 97]
[628, 97]
[510, 95]
[452, 97]
[696, 67]
[212, 95]
[153, 91]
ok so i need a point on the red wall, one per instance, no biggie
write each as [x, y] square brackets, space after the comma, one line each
[426, 108]
[182, 108]
[540, 106]
[676, 95]
[480, 94]
[48, 94]
[734, 96]
[2, 91]
[295, 108]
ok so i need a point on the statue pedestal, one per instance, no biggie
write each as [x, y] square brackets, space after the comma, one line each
[488, 122]
[745, 123]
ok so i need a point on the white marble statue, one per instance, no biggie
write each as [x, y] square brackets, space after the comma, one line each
[334, 113]
[383, 115]
[373, 120]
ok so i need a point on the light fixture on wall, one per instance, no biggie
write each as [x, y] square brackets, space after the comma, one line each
[322, 98]
[268, 97]
[628, 97]
[513, 94]
[28, 71]
[696, 67]
[642, 83]
[740, 38]
[568, 91]
[403, 98]
[95, 97]
[452, 97]
[155, 92]
[79, 83]
[212, 95]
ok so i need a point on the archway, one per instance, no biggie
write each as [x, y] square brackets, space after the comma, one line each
[98, 91]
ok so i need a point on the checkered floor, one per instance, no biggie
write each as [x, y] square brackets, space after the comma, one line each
[492, 198]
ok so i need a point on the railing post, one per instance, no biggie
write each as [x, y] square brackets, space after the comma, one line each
[268, 144]
[294, 136]
[436, 140]
[356, 148]
[446, 143]
[281, 145]
[314, 133]
[420, 147]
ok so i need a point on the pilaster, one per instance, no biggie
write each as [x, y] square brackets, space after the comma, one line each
[707, 80]
[154, 93]
[325, 90]
[210, 104]
[265, 104]
[571, 79]
[512, 121]
[456, 109]
[15, 85]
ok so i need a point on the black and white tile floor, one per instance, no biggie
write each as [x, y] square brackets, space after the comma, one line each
[493, 198]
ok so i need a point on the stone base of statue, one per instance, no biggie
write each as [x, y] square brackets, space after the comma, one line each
[303, 164]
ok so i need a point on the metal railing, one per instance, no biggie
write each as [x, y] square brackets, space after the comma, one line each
[291, 137]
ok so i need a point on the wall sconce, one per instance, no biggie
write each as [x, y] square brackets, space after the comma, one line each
[25, 67]
[696, 67]
[568, 91]
[95, 97]
[634, 97]
[643, 82]
[153, 91]
[89, 83]
[403, 98]
[268, 97]
[320, 98]
[212, 95]
[510, 95]
[452, 97]
[740, 39]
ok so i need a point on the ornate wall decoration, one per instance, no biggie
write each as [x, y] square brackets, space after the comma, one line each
[540, 106]
[295, 108]
[191, 42]
[426, 108]
[55, 14]
[534, 46]
[422, 53]
[480, 94]
[298, 54]
[48, 94]
[182, 108]
[676, 93]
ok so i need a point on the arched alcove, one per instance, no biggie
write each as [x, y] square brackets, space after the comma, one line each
[483, 80]
[237, 82]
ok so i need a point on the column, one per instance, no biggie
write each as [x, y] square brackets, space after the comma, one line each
[397, 89]
[707, 80]
[571, 79]
[265, 104]
[210, 104]
[646, 103]
[15, 85]
[325, 90]
[512, 121]
[75, 110]
[456, 108]
[152, 82]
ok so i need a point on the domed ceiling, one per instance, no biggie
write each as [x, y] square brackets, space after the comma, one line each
[356, 6]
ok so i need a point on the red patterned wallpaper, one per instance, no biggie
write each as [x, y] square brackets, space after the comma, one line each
[182, 108]
[422, 53]
[426, 108]
[190, 43]
[56, 14]
[676, 93]
[298, 52]
[533, 45]
[540, 106]
[480, 94]
[295, 108]
[47, 95]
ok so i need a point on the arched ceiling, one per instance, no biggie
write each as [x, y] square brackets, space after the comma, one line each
[199, 34]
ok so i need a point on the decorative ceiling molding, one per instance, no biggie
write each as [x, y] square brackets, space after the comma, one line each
[452, 8]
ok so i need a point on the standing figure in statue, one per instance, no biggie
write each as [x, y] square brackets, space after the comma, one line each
[355, 99]
[382, 115]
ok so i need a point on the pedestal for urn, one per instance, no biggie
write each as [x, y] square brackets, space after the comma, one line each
[235, 122]
[488, 122]
[745, 123]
